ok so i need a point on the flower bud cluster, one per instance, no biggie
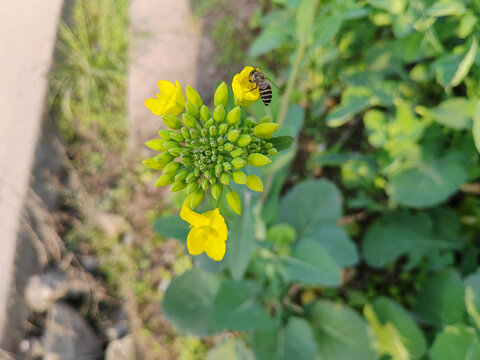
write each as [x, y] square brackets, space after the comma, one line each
[206, 150]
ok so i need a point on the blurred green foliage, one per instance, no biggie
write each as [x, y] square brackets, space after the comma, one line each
[390, 105]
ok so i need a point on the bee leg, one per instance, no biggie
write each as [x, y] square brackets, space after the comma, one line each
[256, 86]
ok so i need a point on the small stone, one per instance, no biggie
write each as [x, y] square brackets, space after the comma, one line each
[121, 349]
[43, 290]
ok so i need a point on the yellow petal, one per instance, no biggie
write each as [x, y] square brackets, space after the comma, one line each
[197, 240]
[179, 97]
[215, 247]
[166, 87]
[156, 106]
[217, 222]
[245, 92]
[194, 218]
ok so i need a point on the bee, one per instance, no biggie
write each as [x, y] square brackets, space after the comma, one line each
[261, 81]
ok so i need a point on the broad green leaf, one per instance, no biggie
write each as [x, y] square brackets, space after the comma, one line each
[456, 113]
[269, 40]
[446, 8]
[293, 121]
[311, 264]
[294, 341]
[327, 26]
[456, 342]
[401, 233]
[240, 242]
[305, 16]
[465, 64]
[397, 333]
[172, 226]
[441, 301]
[340, 332]
[311, 204]
[348, 108]
[232, 349]
[236, 308]
[476, 126]
[337, 243]
[281, 142]
[188, 302]
[472, 296]
[428, 185]
[392, 6]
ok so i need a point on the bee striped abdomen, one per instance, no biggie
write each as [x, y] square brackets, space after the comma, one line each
[266, 94]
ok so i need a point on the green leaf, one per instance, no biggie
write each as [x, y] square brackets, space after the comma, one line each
[309, 205]
[456, 342]
[188, 302]
[240, 242]
[235, 308]
[327, 26]
[271, 39]
[281, 142]
[429, 184]
[397, 333]
[340, 332]
[354, 101]
[337, 243]
[232, 349]
[401, 233]
[441, 301]
[311, 264]
[456, 113]
[472, 296]
[476, 127]
[305, 16]
[294, 341]
[465, 64]
[172, 226]
[392, 6]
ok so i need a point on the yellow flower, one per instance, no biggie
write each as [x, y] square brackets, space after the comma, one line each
[170, 100]
[208, 232]
[245, 92]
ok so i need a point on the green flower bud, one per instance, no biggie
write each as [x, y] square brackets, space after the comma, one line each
[254, 183]
[178, 185]
[185, 133]
[208, 174]
[189, 120]
[181, 175]
[218, 170]
[178, 137]
[234, 115]
[217, 190]
[205, 113]
[209, 123]
[233, 135]
[238, 163]
[172, 121]
[250, 122]
[195, 198]
[239, 177]
[191, 178]
[152, 163]
[219, 114]
[194, 133]
[268, 145]
[165, 179]
[228, 146]
[244, 140]
[212, 130]
[222, 129]
[227, 166]
[234, 201]
[164, 134]
[204, 132]
[186, 161]
[171, 168]
[272, 151]
[225, 179]
[212, 180]
[164, 158]
[265, 119]
[192, 110]
[236, 152]
[170, 144]
[175, 151]
[185, 152]
[197, 172]
[265, 130]
[156, 144]
[258, 159]
[205, 184]
[193, 186]
[221, 95]
[193, 97]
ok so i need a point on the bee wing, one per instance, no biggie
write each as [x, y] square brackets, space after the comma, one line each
[271, 82]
